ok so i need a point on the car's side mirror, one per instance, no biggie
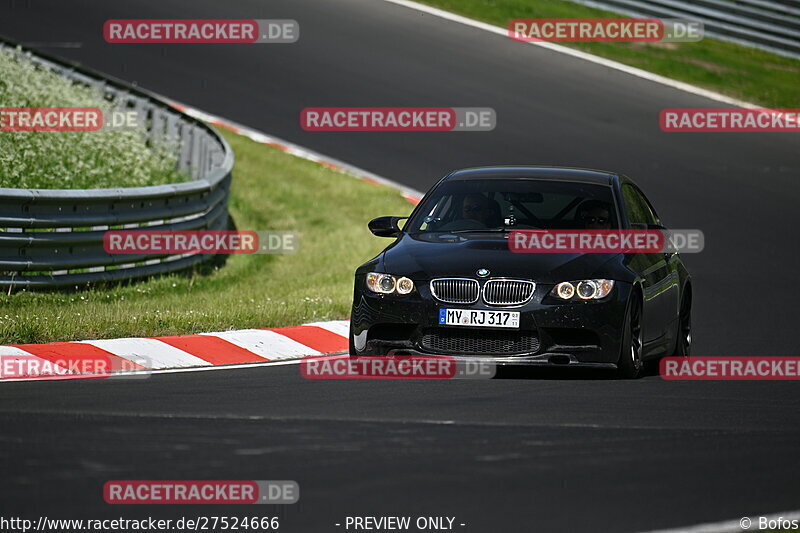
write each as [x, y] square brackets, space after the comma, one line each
[385, 226]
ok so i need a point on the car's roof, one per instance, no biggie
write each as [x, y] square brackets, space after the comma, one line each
[583, 175]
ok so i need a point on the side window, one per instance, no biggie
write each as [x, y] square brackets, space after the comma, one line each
[636, 206]
[651, 214]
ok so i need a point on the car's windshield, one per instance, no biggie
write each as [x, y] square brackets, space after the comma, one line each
[502, 204]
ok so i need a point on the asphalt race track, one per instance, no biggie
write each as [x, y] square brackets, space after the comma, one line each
[530, 452]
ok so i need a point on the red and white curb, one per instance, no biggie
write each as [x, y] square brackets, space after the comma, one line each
[296, 150]
[205, 351]
[143, 355]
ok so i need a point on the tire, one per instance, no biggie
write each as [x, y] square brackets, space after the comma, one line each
[630, 362]
[351, 343]
[683, 343]
[368, 350]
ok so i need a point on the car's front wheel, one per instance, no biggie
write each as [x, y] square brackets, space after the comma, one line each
[352, 344]
[630, 363]
[367, 349]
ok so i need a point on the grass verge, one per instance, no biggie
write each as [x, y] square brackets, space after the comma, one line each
[734, 70]
[271, 191]
[78, 159]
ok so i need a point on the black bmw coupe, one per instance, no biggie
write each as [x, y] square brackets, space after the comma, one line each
[450, 285]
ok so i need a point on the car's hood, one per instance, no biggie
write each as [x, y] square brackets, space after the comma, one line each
[425, 256]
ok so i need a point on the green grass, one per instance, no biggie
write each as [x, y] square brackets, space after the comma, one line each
[271, 191]
[72, 160]
[738, 71]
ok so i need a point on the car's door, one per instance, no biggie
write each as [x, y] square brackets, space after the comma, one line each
[660, 279]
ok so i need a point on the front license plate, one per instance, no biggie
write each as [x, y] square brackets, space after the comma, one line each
[481, 319]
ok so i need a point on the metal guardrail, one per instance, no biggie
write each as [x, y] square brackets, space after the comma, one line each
[54, 237]
[772, 25]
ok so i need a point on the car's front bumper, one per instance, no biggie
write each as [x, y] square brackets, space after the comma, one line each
[585, 333]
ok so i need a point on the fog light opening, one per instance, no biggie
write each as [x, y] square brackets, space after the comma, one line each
[559, 360]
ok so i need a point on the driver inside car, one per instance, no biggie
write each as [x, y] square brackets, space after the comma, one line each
[475, 207]
[595, 215]
[478, 208]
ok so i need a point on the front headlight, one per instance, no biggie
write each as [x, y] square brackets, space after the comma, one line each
[404, 286]
[387, 284]
[587, 289]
